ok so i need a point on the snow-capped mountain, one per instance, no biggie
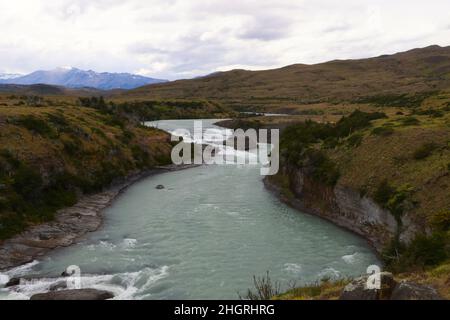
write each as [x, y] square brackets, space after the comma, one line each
[76, 78]
[8, 76]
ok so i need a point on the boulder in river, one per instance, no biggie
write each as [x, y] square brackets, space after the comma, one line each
[12, 282]
[76, 294]
[58, 286]
[406, 290]
[160, 187]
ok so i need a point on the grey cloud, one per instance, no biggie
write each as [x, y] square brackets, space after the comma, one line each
[71, 9]
[337, 28]
[200, 57]
[145, 48]
[266, 28]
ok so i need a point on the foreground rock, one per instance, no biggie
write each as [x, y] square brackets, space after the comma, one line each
[390, 290]
[412, 291]
[80, 294]
[358, 289]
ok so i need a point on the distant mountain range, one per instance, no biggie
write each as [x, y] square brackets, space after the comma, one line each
[8, 76]
[75, 78]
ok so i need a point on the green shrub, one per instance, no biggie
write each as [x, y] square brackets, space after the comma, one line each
[410, 121]
[58, 120]
[355, 121]
[330, 143]
[11, 159]
[424, 151]
[440, 221]
[323, 168]
[27, 182]
[141, 156]
[37, 125]
[426, 251]
[383, 193]
[383, 131]
[115, 121]
[72, 147]
[127, 136]
[392, 199]
[355, 140]
[433, 113]
[397, 202]
[10, 224]
[56, 198]
[102, 134]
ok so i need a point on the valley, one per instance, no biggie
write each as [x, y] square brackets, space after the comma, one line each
[365, 144]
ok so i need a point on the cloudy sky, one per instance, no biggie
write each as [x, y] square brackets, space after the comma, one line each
[175, 39]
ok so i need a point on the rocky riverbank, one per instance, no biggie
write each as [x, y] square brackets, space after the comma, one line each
[374, 225]
[69, 225]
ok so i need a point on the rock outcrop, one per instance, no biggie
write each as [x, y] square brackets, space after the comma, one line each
[363, 288]
[344, 207]
[406, 290]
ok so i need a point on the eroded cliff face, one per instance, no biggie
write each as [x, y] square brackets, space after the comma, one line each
[343, 206]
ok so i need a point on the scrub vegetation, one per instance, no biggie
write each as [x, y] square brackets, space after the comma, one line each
[53, 152]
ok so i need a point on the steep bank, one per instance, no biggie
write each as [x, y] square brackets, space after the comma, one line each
[340, 205]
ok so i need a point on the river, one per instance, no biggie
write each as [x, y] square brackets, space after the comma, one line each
[202, 237]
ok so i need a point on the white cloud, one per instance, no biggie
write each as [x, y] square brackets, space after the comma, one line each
[187, 38]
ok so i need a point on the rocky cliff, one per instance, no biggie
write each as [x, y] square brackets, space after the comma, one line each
[343, 206]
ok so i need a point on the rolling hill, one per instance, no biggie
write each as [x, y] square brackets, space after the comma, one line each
[415, 71]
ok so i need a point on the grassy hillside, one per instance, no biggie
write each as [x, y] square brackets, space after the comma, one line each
[411, 75]
[52, 152]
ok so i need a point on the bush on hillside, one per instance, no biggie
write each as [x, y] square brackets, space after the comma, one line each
[424, 151]
[37, 126]
[323, 168]
[355, 140]
[440, 221]
[383, 131]
[392, 199]
[410, 121]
